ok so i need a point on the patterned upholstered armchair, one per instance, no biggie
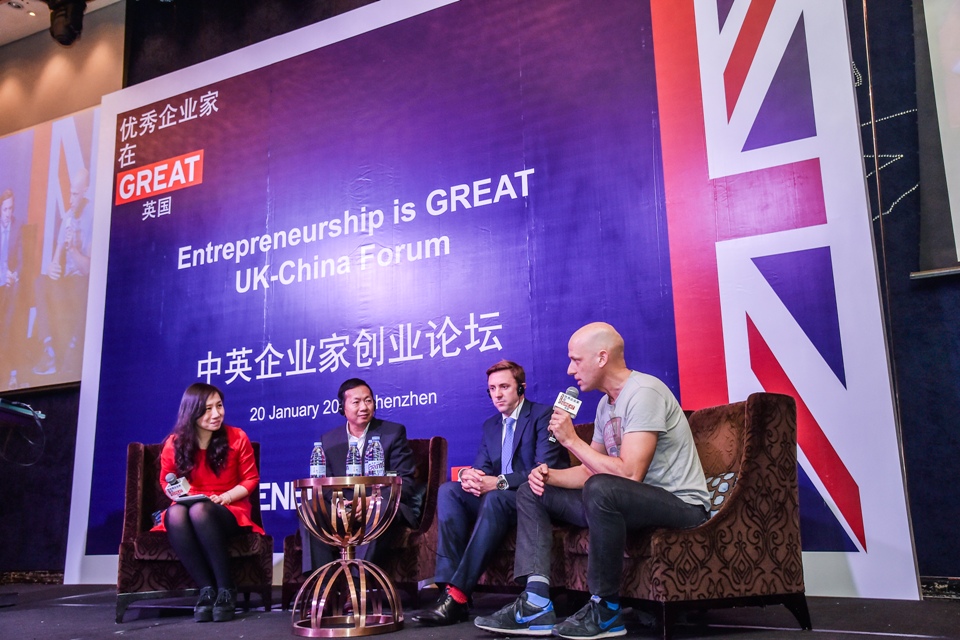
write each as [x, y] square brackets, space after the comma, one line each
[148, 566]
[416, 556]
[748, 553]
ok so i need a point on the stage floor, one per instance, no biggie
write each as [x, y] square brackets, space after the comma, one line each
[64, 612]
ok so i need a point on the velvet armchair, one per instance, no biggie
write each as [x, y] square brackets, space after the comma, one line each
[148, 568]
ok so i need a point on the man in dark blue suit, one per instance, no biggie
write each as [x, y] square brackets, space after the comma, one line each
[358, 406]
[476, 512]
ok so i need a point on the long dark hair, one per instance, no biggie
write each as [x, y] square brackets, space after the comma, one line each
[192, 406]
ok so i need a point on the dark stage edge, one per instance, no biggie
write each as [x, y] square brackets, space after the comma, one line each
[68, 612]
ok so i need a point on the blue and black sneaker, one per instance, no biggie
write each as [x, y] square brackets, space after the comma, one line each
[595, 620]
[520, 618]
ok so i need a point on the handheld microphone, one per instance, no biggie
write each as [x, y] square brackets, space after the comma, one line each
[176, 487]
[567, 400]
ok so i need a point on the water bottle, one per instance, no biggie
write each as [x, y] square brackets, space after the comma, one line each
[373, 458]
[318, 461]
[354, 464]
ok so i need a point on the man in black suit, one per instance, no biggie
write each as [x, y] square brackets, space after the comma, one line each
[11, 263]
[476, 512]
[358, 406]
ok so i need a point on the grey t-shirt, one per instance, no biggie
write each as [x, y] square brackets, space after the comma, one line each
[647, 404]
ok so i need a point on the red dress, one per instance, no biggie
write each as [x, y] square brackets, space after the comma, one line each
[240, 468]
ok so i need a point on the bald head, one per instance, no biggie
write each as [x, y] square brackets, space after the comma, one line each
[600, 336]
[596, 356]
[78, 188]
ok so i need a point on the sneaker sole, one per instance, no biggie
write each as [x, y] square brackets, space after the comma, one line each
[439, 623]
[622, 631]
[529, 631]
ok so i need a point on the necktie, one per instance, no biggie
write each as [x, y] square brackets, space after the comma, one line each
[506, 450]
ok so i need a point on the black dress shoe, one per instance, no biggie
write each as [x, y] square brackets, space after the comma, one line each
[444, 611]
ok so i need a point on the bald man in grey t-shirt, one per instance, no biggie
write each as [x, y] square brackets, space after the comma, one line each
[646, 404]
[640, 471]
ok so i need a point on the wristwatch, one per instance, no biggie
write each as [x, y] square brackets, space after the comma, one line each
[502, 483]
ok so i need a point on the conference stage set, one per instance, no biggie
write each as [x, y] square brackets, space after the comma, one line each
[411, 191]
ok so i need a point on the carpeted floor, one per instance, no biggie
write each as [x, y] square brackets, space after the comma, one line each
[65, 612]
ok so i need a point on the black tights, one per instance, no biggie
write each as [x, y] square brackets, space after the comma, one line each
[199, 534]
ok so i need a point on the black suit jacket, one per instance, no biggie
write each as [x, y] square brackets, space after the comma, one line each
[530, 444]
[397, 456]
[14, 249]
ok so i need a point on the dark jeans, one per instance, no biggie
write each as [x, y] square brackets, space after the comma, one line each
[609, 506]
[61, 310]
[471, 528]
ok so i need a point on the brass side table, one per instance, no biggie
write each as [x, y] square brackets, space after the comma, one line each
[347, 597]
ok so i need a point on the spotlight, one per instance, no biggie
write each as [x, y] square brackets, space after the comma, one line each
[66, 20]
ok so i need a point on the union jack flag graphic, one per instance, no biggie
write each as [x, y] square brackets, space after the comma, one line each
[774, 280]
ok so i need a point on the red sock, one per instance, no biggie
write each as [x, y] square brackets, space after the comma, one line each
[458, 596]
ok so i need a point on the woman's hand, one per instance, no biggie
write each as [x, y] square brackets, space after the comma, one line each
[229, 497]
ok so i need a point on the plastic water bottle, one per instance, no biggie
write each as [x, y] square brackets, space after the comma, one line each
[318, 461]
[373, 458]
[354, 463]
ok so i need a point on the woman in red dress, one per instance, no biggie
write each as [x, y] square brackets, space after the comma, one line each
[218, 462]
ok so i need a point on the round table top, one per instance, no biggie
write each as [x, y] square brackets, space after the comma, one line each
[346, 481]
